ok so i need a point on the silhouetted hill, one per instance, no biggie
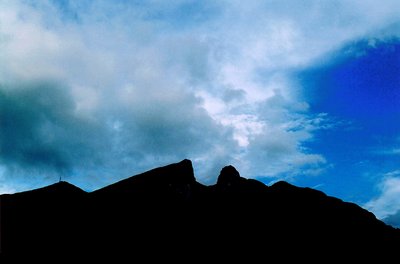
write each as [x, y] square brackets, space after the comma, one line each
[165, 214]
[175, 181]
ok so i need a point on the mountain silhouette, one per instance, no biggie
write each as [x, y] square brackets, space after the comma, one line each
[166, 214]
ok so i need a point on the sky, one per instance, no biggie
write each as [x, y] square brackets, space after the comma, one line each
[302, 91]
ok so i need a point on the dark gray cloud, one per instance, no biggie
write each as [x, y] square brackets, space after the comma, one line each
[43, 133]
[32, 119]
[41, 130]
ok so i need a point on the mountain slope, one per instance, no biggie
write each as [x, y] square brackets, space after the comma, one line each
[166, 210]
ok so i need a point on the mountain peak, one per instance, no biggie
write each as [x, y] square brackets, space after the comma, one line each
[172, 174]
[63, 186]
[180, 172]
[228, 175]
[58, 188]
[186, 167]
[283, 185]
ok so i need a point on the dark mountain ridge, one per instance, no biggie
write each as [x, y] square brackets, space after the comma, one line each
[166, 212]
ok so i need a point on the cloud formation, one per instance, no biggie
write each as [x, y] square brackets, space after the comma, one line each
[98, 90]
[387, 204]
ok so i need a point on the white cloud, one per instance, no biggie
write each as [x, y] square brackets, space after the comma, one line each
[278, 150]
[390, 151]
[166, 81]
[245, 126]
[388, 202]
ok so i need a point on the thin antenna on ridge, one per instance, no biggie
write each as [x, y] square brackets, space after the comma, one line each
[60, 179]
